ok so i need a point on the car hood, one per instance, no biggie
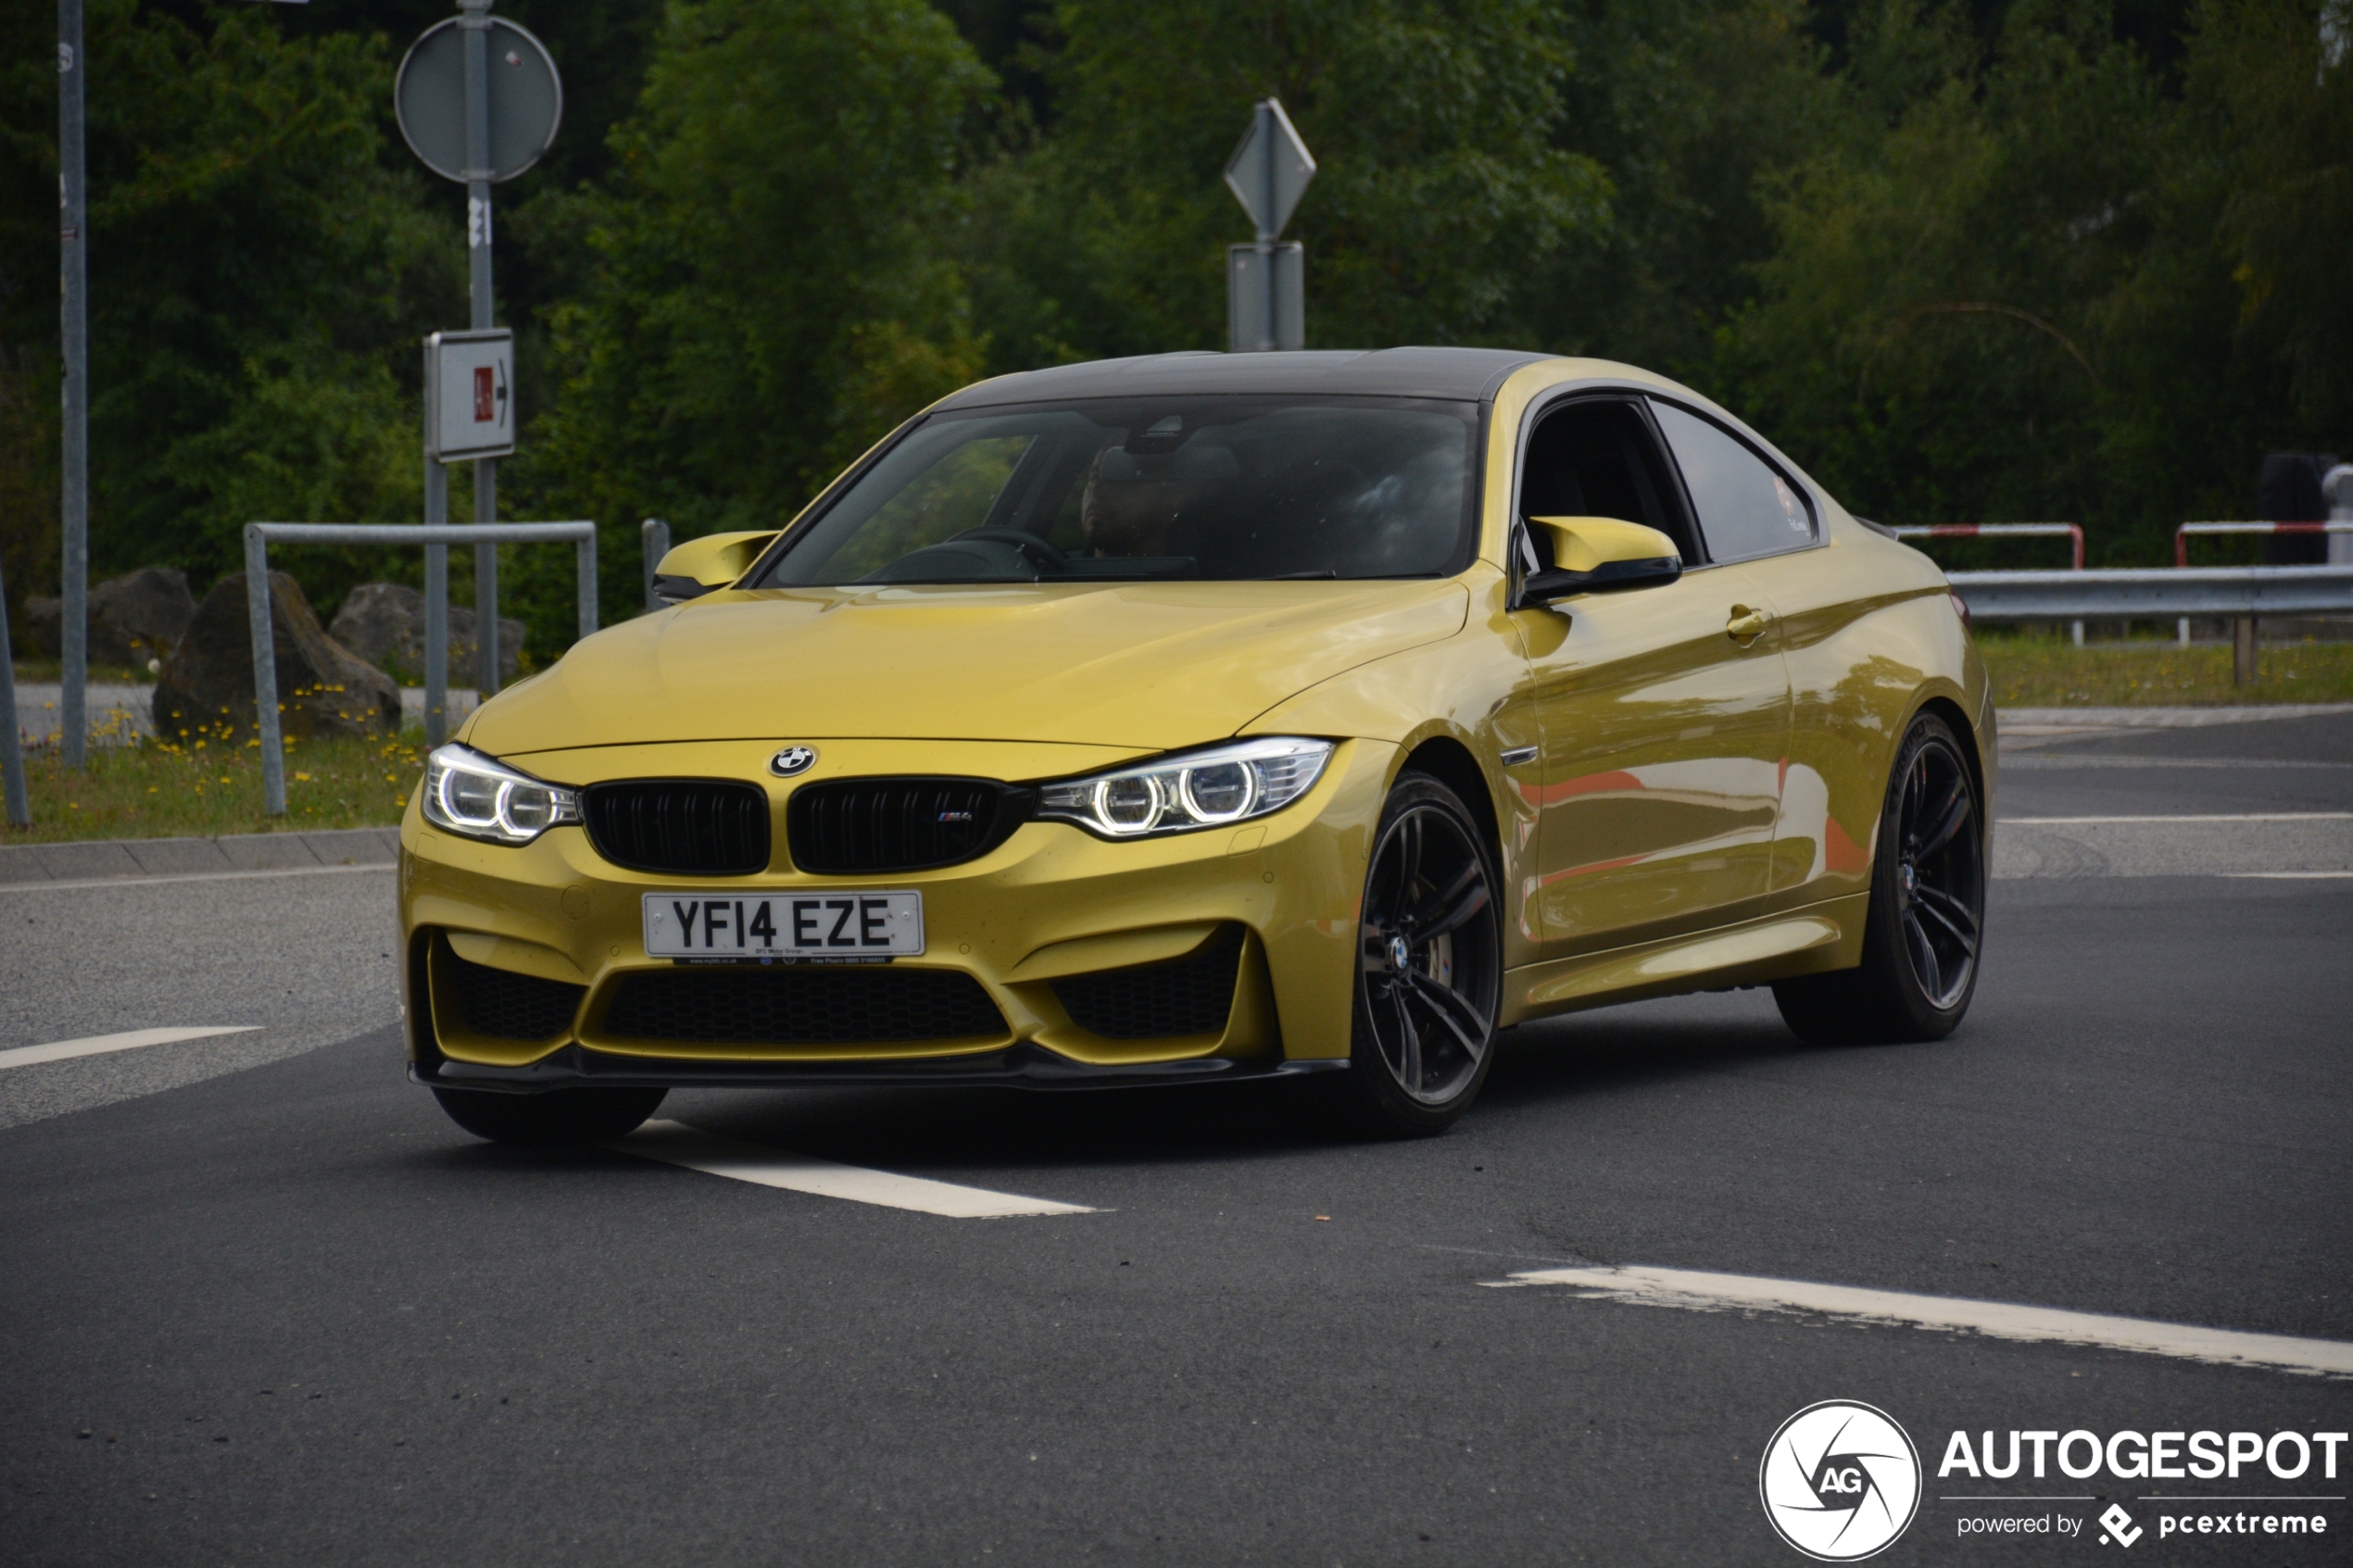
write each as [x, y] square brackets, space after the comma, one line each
[1148, 666]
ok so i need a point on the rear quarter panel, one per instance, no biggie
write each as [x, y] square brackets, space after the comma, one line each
[1871, 637]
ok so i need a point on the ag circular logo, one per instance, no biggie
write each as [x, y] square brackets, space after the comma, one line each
[1840, 1481]
[793, 759]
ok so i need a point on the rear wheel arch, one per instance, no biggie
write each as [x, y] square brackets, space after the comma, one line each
[1972, 745]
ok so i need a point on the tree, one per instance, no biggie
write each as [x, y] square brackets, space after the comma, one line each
[1440, 189]
[770, 292]
[254, 272]
[2007, 304]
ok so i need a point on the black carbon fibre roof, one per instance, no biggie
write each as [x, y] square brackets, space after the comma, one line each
[1462, 374]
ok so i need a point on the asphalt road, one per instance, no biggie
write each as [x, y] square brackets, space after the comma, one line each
[301, 1318]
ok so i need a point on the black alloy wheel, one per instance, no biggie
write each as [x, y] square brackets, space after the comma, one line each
[1430, 964]
[1940, 872]
[1926, 925]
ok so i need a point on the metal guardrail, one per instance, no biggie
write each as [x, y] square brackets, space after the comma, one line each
[436, 538]
[2156, 594]
[2183, 534]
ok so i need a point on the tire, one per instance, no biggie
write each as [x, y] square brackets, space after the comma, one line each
[1429, 973]
[559, 1116]
[1926, 923]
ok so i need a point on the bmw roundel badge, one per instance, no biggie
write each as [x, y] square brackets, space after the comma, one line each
[792, 760]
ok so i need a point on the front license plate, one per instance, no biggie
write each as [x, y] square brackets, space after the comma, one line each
[785, 925]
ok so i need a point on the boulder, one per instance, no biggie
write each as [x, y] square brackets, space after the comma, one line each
[132, 618]
[384, 623]
[323, 689]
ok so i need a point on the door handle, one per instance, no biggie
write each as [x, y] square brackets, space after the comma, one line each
[1746, 625]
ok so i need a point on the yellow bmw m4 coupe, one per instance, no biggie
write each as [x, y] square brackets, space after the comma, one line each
[1205, 717]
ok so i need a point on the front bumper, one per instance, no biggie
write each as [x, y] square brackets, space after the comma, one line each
[1051, 904]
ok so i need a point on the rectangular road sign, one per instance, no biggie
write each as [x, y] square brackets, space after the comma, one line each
[1265, 297]
[470, 394]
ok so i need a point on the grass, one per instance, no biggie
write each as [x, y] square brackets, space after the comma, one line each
[206, 788]
[48, 672]
[2043, 669]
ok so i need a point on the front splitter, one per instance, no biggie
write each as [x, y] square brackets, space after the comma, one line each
[1019, 1067]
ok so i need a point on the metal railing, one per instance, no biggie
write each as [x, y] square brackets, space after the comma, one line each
[2071, 532]
[2183, 534]
[653, 543]
[436, 538]
[2156, 594]
[2000, 530]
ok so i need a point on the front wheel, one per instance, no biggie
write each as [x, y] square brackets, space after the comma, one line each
[1926, 921]
[556, 1117]
[1430, 967]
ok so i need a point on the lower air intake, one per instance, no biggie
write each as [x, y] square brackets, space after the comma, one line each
[501, 1004]
[815, 1006]
[1187, 996]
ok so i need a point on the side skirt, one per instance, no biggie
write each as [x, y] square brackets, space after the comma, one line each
[1804, 941]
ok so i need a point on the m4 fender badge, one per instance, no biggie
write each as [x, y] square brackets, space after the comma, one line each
[793, 760]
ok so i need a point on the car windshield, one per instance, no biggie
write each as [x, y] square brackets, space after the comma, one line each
[1204, 488]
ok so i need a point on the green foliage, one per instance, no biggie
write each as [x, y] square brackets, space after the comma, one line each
[1967, 259]
[2007, 304]
[1439, 188]
[252, 264]
[769, 293]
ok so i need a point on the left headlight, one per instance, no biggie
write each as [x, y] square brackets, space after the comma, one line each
[482, 797]
[1200, 789]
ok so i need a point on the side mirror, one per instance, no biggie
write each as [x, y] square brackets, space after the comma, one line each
[707, 564]
[1600, 554]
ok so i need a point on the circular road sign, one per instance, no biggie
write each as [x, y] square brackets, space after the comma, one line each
[526, 99]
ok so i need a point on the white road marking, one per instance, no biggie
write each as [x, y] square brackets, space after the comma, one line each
[2232, 817]
[97, 1044]
[2292, 876]
[68, 884]
[1695, 1291]
[682, 1145]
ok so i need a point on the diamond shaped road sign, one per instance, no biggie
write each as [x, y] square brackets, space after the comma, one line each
[1270, 170]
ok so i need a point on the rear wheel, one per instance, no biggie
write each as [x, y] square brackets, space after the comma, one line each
[1429, 965]
[558, 1116]
[1927, 915]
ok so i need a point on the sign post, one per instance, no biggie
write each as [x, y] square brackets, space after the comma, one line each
[1265, 280]
[479, 101]
[74, 497]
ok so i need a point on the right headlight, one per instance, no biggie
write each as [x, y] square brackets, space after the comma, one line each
[480, 797]
[1202, 789]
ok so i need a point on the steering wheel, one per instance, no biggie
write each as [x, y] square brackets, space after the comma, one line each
[1041, 552]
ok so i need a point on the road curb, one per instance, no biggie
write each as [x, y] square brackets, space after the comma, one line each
[2040, 720]
[102, 857]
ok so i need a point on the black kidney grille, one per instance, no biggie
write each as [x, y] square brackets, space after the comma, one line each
[815, 1006]
[694, 827]
[862, 826]
[501, 1004]
[1187, 996]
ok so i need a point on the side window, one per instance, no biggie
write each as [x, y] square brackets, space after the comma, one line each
[1747, 508]
[1596, 458]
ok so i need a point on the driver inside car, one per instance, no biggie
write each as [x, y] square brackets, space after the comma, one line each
[1124, 512]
